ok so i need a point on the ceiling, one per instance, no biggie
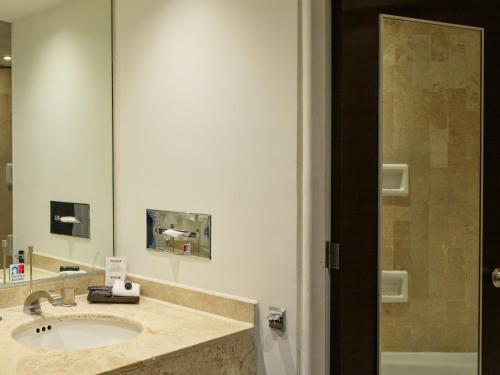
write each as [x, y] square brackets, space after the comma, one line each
[12, 10]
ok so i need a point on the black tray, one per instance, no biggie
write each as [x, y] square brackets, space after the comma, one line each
[103, 295]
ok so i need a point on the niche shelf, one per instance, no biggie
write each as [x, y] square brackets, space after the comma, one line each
[394, 286]
[395, 180]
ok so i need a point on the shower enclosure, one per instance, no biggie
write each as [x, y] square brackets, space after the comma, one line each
[415, 187]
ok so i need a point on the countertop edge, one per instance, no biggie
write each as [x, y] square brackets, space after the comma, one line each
[146, 362]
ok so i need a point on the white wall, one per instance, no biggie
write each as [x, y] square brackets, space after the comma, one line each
[62, 134]
[222, 106]
[206, 121]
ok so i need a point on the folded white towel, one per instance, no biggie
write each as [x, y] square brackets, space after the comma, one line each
[119, 289]
[174, 233]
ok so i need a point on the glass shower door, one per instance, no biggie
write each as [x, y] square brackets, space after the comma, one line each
[430, 196]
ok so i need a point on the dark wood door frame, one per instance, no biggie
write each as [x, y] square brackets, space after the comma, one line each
[355, 155]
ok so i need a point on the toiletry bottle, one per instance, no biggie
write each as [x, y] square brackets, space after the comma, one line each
[20, 256]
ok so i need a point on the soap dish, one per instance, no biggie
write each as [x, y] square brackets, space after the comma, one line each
[395, 180]
[394, 286]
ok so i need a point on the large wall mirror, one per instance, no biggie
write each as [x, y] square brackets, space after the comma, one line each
[430, 206]
[56, 176]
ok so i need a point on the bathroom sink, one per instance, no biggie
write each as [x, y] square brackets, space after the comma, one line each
[76, 332]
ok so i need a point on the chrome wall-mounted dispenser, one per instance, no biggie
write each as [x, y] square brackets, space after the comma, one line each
[276, 318]
[181, 233]
[70, 219]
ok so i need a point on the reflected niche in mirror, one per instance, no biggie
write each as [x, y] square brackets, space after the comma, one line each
[180, 233]
[430, 241]
[56, 127]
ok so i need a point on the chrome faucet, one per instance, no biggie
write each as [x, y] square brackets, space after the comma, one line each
[32, 302]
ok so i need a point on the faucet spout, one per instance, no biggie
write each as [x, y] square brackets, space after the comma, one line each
[32, 302]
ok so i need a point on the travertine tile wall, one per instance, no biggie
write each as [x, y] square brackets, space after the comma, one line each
[5, 153]
[432, 122]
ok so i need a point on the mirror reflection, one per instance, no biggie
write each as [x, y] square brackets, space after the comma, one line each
[181, 233]
[55, 137]
[431, 194]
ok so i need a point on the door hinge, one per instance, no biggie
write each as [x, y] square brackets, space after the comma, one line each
[332, 255]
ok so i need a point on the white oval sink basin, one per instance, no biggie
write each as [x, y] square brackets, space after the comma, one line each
[76, 332]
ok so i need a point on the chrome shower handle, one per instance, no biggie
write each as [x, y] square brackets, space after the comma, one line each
[495, 278]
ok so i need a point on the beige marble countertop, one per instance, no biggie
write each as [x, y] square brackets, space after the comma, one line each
[168, 330]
